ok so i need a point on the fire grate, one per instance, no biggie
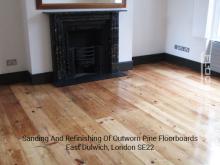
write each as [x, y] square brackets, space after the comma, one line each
[85, 56]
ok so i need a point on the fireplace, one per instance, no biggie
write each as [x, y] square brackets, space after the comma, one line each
[84, 46]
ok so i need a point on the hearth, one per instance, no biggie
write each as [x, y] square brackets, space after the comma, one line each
[84, 46]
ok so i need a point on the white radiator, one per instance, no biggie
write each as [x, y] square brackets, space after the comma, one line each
[215, 57]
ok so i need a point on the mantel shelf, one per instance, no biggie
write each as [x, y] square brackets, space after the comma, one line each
[83, 10]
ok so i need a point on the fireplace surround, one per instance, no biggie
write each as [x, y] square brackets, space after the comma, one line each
[84, 46]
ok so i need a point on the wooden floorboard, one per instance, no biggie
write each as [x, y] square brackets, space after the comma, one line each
[154, 99]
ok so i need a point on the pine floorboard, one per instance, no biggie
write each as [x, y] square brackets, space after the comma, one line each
[154, 99]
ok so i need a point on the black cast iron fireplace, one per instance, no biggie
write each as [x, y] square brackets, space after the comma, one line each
[84, 46]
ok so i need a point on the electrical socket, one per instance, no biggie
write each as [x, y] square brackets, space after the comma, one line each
[11, 62]
[182, 48]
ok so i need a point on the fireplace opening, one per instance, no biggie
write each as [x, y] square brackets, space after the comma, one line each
[88, 49]
[84, 46]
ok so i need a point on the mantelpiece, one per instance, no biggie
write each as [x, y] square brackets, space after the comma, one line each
[85, 46]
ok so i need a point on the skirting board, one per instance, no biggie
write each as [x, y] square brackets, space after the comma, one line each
[148, 59]
[123, 66]
[42, 78]
[48, 77]
[25, 76]
[196, 66]
[16, 77]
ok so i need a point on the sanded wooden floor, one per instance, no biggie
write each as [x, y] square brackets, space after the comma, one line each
[153, 99]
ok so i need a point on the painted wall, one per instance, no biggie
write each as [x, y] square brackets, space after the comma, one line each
[11, 36]
[149, 27]
[39, 37]
[157, 27]
[186, 23]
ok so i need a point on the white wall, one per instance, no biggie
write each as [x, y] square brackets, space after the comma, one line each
[11, 36]
[149, 27]
[39, 37]
[158, 25]
[185, 26]
[126, 33]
